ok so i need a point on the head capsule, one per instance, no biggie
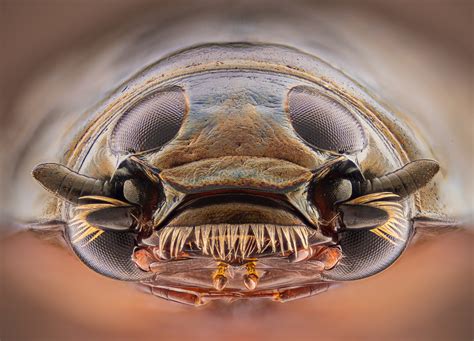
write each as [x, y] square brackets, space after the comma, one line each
[238, 122]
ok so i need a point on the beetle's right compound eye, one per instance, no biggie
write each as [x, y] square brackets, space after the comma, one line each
[150, 123]
[323, 122]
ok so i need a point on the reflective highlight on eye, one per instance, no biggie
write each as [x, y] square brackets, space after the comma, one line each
[151, 123]
[324, 123]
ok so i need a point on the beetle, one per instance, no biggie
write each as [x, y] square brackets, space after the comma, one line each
[232, 181]
[239, 170]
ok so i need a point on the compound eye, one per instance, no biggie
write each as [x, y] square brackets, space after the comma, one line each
[367, 250]
[150, 123]
[110, 254]
[365, 254]
[323, 122]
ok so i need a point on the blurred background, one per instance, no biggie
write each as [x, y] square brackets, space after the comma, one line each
[46, 294]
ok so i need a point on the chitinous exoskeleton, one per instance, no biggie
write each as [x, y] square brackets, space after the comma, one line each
[236, 169]
[236, 179]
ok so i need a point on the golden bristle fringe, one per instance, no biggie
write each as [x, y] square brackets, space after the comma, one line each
[228, 241]
[393, 229]
[84, 228]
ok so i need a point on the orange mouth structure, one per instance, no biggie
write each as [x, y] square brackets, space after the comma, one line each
[234, 245]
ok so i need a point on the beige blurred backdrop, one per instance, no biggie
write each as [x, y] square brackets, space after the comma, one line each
[46, 294]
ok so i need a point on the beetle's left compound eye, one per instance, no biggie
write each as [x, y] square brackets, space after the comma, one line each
[323, 122]
[151, 123]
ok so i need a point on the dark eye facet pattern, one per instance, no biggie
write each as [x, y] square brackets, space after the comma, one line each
[323, 122]
[151, 123]
[110, 255]
[365, 254]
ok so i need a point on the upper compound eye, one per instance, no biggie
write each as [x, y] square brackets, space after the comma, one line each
[150, 123]
[324, 123]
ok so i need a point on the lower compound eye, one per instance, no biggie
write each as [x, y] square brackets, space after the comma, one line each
[364, 254]
[151, 123]
[323, 122]
[109, 255]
